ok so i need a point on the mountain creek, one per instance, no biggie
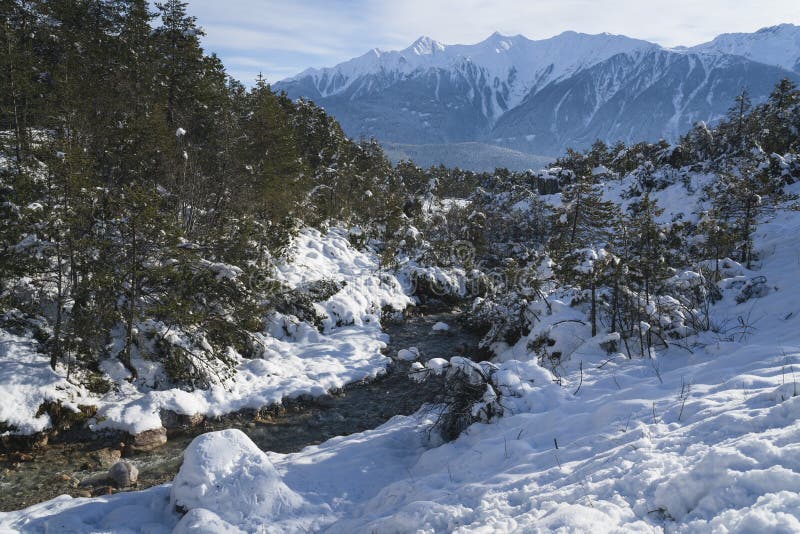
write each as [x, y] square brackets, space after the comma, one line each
[79, 466]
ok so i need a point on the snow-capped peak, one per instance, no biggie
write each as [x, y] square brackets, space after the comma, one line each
[498, 74]
[498, 43]
[776, 45]
[425, 46]
[499, 58]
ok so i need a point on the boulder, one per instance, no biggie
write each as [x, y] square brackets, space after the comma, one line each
[408, 355]
[105, 457]
[147, 440]
[171, 419]
[441, 327]
[123, 474]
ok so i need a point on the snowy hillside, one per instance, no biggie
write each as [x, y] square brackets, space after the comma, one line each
[541, 97]
[777, 45]
[703, 437]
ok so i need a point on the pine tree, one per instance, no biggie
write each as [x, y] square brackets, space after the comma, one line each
[738, 199]
[272, 170]
[583, 217]
[18, 88]
[150, 169]
[144, 235]
[580, 235]
[718, 239]
[737, 115]
[779, 127]
[698, 144]
[178, 47]
[647, 263]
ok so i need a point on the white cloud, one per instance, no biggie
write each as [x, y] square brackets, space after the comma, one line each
[231, 37]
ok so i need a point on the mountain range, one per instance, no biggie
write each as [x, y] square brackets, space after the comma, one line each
[539, 97]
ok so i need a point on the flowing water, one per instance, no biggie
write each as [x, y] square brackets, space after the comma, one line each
[60, 467]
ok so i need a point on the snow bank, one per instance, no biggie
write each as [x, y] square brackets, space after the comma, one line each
[310, 364]
[628, 454]
[26, 381]
[367, 290]
[297, 359]
[202, 521]
[144, 511]
[225, 473]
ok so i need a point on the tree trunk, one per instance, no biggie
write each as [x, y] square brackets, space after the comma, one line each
[17, 127]
[55, 351]
[575, 221]
[746, 233]
[594, 308]
[132, 296]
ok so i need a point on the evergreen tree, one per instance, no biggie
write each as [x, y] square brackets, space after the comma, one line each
[580, 234]
[648, 265]
[779, 117]
[18, 85]
[718, 239]
[583, 217]
[737, 116]
[273, 173]
[738, 199]
[178, 46]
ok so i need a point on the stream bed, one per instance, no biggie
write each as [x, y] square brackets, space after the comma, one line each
[62, 466]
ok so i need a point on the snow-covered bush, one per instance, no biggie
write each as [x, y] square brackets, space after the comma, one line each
[301, 300]
[468, 394]
[498, 319]
[436, 282]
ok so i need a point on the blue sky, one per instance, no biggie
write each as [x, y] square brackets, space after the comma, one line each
[282, 38]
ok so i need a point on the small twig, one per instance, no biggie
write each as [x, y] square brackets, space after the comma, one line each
[657, 371]
[581, 382]
[683, 404]
[614, 377]
[686, 390]
[568, 321]
[607, 362]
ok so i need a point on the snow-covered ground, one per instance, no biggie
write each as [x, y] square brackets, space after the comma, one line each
[297, 358]
[700, 440]
[26, 381]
